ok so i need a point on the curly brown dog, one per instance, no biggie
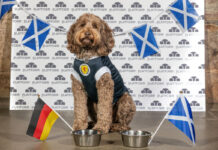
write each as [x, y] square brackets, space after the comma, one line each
[97, 86]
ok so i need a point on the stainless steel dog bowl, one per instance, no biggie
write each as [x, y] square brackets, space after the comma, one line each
[86, 137]
[136, 139]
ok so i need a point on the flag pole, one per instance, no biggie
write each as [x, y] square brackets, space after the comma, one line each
[58, 115]
[162, 122]
[157, 128]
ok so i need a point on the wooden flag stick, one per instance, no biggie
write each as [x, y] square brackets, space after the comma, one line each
[163, 121]
[63, 120]
[158, 128]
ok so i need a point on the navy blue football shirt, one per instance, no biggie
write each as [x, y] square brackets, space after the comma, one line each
[91, 71]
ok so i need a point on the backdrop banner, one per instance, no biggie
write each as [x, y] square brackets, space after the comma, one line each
[154, 82]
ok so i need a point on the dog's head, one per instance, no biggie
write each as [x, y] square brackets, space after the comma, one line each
[90, 33]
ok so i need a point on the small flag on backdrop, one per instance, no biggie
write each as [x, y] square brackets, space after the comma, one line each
[183, 12]
[42, 120]
[36, 34]
[5, 6]
[181, 116]
[144, 40]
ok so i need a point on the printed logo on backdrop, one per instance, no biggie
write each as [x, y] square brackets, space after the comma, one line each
[30, 91]
[127, 68]
[21, 79]
[15, 67]
[155, 105]
[174, 56]
[117, 6]
[174, 80]
[164, 19]
[50, 67]
[67, 67]
[154, 7]
[79, 6]
[15, 43]
[139, 105]
[60, 6]
[20, 104]
[153, 82]
[60, 104]
[69, 18]
[146, 92]
[24, 5]
[40, 79]
[31, 67]
[156, 57]
[136, 80]
[59, 31]
[41, 55]
[14, 92]
[67, 92]
[165, 68]
[50, 91]
[166, 93]
[117, 55]
[98, 6]
[41, 6]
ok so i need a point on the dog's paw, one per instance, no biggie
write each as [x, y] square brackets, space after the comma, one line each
[102, 128]
[79, 125]
[117, 127]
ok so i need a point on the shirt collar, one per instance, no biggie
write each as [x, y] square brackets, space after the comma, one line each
[87, 59]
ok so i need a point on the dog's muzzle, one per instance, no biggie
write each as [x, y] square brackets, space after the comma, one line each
[87, 39]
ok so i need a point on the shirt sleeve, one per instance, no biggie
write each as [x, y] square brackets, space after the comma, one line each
[101, 72]
[76, 75]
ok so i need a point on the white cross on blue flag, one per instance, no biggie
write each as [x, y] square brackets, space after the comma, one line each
[5, 6]
[36, 34]
[144, 40]
[181, 116]
[183, 12]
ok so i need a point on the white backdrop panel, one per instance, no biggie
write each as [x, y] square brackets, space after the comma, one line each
[154, 82]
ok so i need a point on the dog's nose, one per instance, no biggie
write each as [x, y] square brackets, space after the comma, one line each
[87, 33]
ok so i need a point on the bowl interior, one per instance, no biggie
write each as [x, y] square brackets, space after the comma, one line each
[136, 133]
[85, 132]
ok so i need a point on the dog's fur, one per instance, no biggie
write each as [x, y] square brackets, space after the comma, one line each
[91, 36]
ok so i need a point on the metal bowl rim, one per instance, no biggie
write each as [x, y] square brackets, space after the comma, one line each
[74, 132]
[148, 134]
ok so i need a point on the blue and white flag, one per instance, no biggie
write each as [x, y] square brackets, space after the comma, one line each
[183, 12]
[144, 40]
[36, 34]
[5, 6]
[181, 116]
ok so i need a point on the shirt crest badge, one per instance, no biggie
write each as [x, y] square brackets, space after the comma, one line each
[84, 69]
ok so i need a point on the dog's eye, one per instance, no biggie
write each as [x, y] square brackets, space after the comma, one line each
[94, 25]
[82, 25]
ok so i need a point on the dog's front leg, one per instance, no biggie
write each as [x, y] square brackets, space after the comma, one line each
[105, 89]
[80, 105]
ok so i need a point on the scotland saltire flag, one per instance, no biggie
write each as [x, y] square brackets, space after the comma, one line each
[144, 40]
[36, 34]
[5, 6]
[181, 116]
[183, 12]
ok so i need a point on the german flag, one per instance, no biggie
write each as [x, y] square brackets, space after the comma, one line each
[42, 120]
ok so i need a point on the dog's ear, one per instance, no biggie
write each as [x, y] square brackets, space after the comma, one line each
[71, 45]
[107, 39]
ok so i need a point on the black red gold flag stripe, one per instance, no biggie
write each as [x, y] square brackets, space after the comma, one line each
[42, 120]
